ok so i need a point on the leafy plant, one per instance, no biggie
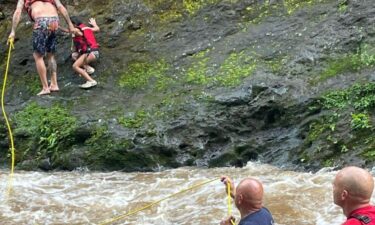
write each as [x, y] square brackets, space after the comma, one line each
[343, 6]
[360, 96]
[54, 126]
[135, 121]
[360, 121]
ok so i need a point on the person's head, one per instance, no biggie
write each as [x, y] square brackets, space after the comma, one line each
[76, 20]
[249, 195]
[352, 187]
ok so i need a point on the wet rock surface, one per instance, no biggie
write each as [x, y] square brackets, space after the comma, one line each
[172, 115]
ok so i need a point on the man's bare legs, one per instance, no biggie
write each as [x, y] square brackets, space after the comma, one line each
[42, 71]
[52, 69]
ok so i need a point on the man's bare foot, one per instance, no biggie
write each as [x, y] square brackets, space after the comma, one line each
[44, 92]
[54, 88]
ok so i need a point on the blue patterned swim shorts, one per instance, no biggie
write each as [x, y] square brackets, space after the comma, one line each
[44, 34]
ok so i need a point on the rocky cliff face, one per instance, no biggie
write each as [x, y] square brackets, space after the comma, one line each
[205, 83]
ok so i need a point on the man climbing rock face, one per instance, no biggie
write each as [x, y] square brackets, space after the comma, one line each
[44, 13]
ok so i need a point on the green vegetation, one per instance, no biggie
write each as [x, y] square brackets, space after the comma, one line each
[139, 75]
[170, 15]
[348, 63]
[53, 126]
[102, 143]
[230, 73]
[360, 121]
[369, 153]
[169, 10]
[276, 64]
[361, 97]
[343, 6]
[192, 6]
[31, 83]
[256, 13]
[292, 5]
[165, 10]
[197, 72]
[364, 57]
[135, 121]
[328, 163]
[347, 123]
[358, 99]
[317, 128]
[234, 68]
[106, 152]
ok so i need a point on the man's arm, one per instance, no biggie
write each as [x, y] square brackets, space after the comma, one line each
[63, 29]
[16, 18]
[64, 13]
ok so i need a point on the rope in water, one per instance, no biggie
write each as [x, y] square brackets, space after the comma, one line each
[11, 46]
[156, 202]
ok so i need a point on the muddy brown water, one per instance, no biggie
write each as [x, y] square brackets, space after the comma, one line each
[294, 198]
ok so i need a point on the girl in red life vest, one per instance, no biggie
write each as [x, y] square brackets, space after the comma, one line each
[86, 49]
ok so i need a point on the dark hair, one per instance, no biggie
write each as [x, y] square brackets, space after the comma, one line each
[76, 20]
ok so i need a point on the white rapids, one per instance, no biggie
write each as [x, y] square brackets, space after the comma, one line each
[73, 198]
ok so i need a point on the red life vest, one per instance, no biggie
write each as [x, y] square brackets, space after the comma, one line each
[28, 3]
[87, 42]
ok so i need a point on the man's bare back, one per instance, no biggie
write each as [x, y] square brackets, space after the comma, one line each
[43, 9]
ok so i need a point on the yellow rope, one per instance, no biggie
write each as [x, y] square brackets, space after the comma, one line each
[154, 203]
[229, 202]
[11, 46]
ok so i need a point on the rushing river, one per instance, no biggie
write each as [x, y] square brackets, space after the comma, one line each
[294, 198]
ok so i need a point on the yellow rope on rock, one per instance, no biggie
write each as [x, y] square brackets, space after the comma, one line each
[11, 46]
[154, 203]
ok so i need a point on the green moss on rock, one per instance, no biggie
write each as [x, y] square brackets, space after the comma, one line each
[139, 75]
[361, 97]
[363, 58]
[236, 67]
[345, 125]
[231, 71]
[53, 128]
[135, 121]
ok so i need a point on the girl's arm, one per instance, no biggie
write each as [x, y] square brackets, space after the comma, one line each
[95, 26]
